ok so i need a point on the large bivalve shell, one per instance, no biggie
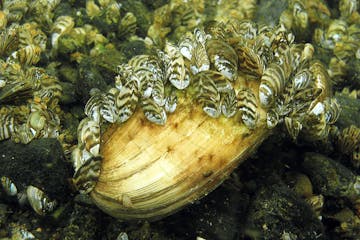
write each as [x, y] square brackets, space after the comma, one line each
[150, 171]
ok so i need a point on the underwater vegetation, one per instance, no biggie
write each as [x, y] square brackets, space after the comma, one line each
[151, 106]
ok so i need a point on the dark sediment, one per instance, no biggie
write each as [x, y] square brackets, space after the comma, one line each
[40, 163]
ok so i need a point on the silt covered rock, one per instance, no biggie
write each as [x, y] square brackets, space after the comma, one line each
[330, 177]
[277, 212]
[40, 163]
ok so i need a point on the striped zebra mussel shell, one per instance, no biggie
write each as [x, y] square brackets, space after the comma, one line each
[293, 127]
[8, 40]
[321, 79]
[348, 142]
[87, 174]
[28, 55]
[186, 46]
[39, 201]
[229, 103]
[250, 62]
[171, 102]
[248, 109]
[208, 94]
[199, 60]
[176, 72]
[6, 126]
[62, 25]
[272, 84]
[348, 139]
[89, 135]
[223, 57]
[153, 112]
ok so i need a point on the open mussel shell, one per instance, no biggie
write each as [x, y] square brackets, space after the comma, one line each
[149, 171]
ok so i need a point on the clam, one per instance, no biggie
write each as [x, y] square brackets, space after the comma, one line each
[149, 170]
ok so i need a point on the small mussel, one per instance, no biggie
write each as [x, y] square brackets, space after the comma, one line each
[39, 201]
[8, 186]
[348, 143]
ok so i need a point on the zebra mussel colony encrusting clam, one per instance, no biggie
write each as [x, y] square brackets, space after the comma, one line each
[175, 99]
[244, 76]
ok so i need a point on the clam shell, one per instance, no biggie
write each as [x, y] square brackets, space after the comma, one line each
[150, 171]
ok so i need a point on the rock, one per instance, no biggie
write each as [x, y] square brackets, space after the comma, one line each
[301, 184]
[133, 48]
[330, 177]
[269, 11]
[350, 111]
[276, 212]
[107, 62]
[152, 5]
[89, 78]
[68, 97]
[84, 223]
[4, 213]
[68, 73]
[218, 216]
[40, 163]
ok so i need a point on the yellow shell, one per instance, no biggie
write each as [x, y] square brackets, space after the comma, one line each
[150, 171]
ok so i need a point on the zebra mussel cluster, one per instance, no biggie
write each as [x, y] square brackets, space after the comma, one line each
[335, 34]
[29, 96]
[341, 40]
[217, 66]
